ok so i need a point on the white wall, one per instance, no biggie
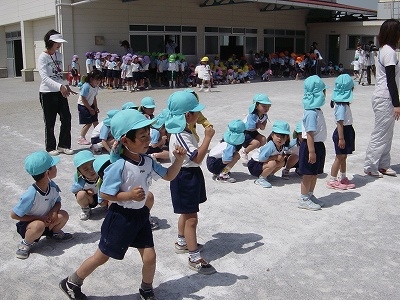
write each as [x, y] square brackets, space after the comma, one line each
[14, 11]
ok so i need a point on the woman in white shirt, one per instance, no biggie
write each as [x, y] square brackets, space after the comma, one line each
[53, 95]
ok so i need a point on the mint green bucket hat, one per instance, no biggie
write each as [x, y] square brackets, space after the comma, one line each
[281, 127]
[83, 157]
[39, 162]
[260, 98]
[234, 135]
[180, 103]
[314, 96]
[343, 91]
[111, 113]
[100, 161]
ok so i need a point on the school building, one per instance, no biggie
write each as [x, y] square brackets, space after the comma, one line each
[198, 27]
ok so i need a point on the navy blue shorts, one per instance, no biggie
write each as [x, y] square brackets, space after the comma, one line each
[172, 75]
[123, 228]
[249, 136]
[129, 79]
[255, 167]
[146, 74]
[349, 139]
[312, 169]
[188, 190]
[215, 165]
[84, 115]
[21, 229]
[135, 76]
[95, 140]
[109, 73]
[116, 73]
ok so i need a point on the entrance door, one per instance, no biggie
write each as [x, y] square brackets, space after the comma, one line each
[333, 49]
[14, 58]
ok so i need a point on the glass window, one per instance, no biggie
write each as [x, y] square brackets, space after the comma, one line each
[254, 31]
[290, 32]
[300, 33]
[269, 31]
[156, 28]
[211, 45]
[173, 28]
[211, 29]
[189, 29]
[300, 45]
[251, 45]
[189, 45]
[156, 43]
[238, 30]
[284, 44]
[280, 32]
[353, 40]
[225, 30]
[139, 42]
[269, 45]
[138, 27]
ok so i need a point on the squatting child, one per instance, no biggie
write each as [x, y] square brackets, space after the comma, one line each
[38, 211]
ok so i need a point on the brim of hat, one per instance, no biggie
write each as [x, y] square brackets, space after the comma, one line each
[84, 161]
[282, 132]
[142, 123]
[56, 160]
[175, 124]
[234, 138]
[59, 41]
[100, 161]
[198, 107]
[149, 106]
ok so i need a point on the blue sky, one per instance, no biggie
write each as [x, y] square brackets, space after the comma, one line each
[370, 4]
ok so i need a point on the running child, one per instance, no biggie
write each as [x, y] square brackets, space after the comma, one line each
[126, 185]
[344, 136]
[188, 189]
[270, 158]
[256, 119]
[312, 149]
[225, 154]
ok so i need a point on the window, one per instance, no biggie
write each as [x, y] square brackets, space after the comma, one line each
[251, 45]
[269, 45]
[156, 43]
[353, 40]
[211, 45]
[189, 45]
[139, 43]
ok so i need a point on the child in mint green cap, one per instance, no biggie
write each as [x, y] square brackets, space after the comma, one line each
[270, 158]
[85, 185]
[292, 152]
[126, 185]
[344, 136]
[225, 154]
[188, 189]
[38, 211]
[255, 120]
[312, 149]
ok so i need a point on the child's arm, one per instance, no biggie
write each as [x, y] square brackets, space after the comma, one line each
[135, 194]
[96, 109]
[341, 142]
[26, 218]
[174, 169]
[203, 149]
[312, 158]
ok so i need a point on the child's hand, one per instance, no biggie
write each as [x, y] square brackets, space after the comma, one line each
[179, 152]
[341, 143]
[137, 193]
[312, 158]
[209, 132]
[46, 220]
[53, 217]
[90, 192]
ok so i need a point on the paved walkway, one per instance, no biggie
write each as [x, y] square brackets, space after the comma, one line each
[262, 245]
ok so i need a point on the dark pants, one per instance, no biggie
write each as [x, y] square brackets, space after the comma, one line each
[54, 103]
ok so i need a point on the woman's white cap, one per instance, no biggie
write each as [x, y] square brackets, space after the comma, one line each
[57, 38]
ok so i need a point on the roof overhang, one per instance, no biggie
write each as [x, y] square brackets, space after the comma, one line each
[274, 5]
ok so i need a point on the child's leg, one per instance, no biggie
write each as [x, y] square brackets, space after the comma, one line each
[291, 161]
[85, 129]
[91, 264]
[306, 183]
[262, 139]
[339, 163]
[187, 225]
[62, 219]
[149, 264]
[233, 162]
[84, 199]
[34, 230]
[254, 144]
[269, 167]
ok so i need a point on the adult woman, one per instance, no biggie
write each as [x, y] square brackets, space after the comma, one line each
[53, 95]
[385, 102]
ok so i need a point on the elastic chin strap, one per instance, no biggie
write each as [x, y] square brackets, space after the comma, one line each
[130, 151]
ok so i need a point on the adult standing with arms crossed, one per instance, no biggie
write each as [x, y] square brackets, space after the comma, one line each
[385, 102]
[53, 95]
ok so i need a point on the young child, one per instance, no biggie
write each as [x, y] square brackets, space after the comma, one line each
[269, 159]
[312, 149]
[173, 68]
[89, 62]
[126, 185]
[256, 119]
[188, 188]
[39, 210]
[87, 104]
[85, 185]
[206, 75]
[225, 154]
[147, 106]
[344, 136]
[292, 152]
[158, 148]
[101, 135]
[74, 70]
[266, 76]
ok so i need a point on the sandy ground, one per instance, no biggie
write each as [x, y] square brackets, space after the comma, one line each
[261, 244]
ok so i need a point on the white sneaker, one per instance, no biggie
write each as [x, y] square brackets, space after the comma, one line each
[65, 150]
[53, 152]
[85, 214]
[308, 204]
